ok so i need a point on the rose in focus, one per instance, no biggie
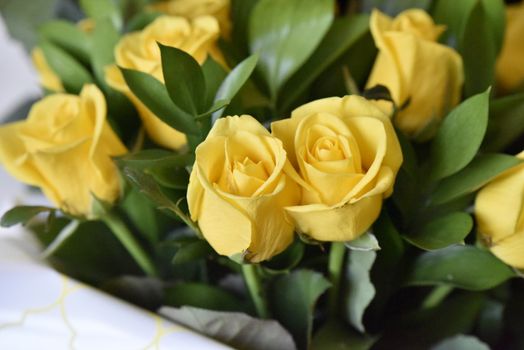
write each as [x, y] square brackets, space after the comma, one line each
[347, 155]
[65, 147]
[239, 186]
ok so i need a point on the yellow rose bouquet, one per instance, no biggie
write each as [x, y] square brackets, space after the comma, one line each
[283, 174]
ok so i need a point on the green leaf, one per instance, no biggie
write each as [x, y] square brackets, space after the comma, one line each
[478, 51]
[359, 289]
[141, 20]
[155, 96]
[234, 81]
[72, 74]
[214, 75]
[240, 15]
[184, 79]
[68, 37]
[334, 336]
[150, 158]
[506, 122]
[480, 171]
[364, 243]
[147, 185]
[465, 267]
[459, 136]
[234, 329]
[143, 214]
[293, 300]
[22, 21]
[442, 232]
[342, 35]
[22, 214]
[170, 177]
[285, 33]
[201, 295]
[192, 251]
[455, 16]
[461, 342]
[217, 107]
[103, 41]
[97, 9]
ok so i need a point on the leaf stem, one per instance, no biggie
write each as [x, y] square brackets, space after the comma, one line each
[120, 230]
[252, 279]
[436, 296]
[337, 253]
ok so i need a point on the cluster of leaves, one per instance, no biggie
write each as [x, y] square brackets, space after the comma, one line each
[418, 279]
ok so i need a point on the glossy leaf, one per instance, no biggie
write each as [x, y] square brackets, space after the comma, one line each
[479, 51]
[235, 329]
[184, 79]
[103, 40]
[465, 267]
[293, 299]
[22, 214]
[479, 172]
[62, 236]
[285, 33]
[360, 290]
[72, 74]
[234, 81]
[155, 96]
[214, 75]
[459, 136]
[442, 232]
[342, 35]
[150, 158]
[68, 37]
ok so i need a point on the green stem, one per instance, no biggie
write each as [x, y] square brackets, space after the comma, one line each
[125, 237]
[335, 269]
[436, 296]
[254, 286]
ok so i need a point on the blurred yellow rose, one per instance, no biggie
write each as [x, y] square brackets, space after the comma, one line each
[140, 51]
[194, 8]
[415, 68]
[48, 78]
[499, 210]
[347, 154]
[239, 187]
[510, 67]
[65, 147]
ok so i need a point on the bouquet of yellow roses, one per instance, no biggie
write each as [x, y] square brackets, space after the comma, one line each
[291, 174]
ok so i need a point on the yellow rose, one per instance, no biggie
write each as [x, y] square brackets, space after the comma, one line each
[415, 68]
[139, 51]
[239, 187]
[510, 69]
[347, 154]
[65, 147]
[499, 210]
[48, 78]
[194, 8]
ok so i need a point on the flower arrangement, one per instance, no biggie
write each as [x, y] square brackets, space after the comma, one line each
[309, 174]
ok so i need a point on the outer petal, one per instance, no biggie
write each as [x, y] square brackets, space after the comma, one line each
[345, 223]
[48, 77]
[510, 250]
[500, 204]
[232, 124]
[510, 70]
